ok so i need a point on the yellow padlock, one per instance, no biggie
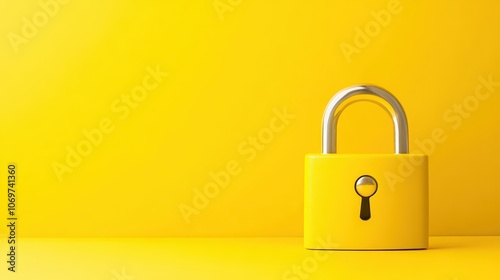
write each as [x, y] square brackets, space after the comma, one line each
[365, 201]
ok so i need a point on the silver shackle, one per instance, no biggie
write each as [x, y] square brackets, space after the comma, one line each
[336, 106]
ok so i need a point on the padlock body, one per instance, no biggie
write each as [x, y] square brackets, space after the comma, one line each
[399, 208]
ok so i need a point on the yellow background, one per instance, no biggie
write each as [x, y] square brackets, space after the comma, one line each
[228, 74]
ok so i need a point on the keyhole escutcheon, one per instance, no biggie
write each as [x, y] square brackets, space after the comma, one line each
[366, 186]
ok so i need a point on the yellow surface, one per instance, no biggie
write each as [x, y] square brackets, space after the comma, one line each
[449, 258]
[399, 209]
[366, 190]
[211, 125]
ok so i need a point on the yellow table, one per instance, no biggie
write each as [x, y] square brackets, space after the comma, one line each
[452, 258]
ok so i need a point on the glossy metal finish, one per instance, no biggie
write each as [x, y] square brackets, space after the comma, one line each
[338, 103]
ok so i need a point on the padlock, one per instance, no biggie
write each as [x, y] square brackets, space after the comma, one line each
[365, 201]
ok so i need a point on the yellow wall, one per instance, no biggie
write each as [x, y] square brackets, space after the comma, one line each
[174, 95]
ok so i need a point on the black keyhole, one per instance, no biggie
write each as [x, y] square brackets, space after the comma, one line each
[365, 213]
[366, 186]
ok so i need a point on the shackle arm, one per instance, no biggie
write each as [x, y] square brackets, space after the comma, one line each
[332, 113]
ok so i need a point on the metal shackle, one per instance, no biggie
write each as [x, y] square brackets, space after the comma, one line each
[335, 108]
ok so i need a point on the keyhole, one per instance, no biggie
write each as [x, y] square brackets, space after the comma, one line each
[366, 186]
